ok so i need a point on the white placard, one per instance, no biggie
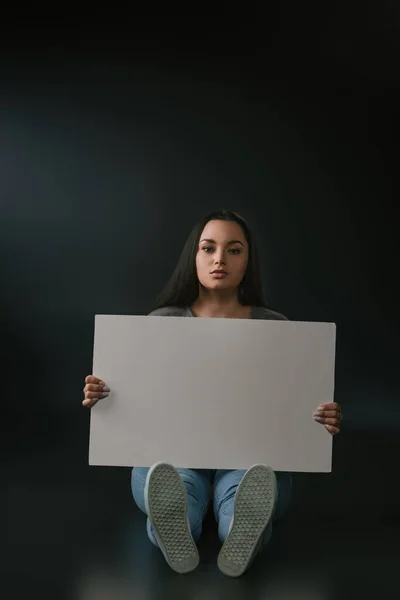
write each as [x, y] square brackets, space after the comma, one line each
[212, 393]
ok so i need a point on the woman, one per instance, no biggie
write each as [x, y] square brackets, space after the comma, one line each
[217, 275]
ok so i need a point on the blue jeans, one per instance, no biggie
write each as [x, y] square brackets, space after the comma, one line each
[202, 485]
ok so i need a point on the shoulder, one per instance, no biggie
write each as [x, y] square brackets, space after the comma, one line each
[170, 311]
[261, 312]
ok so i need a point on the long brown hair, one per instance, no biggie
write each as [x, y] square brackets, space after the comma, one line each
[183, 287]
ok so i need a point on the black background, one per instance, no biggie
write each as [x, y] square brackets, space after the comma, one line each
[115, 137]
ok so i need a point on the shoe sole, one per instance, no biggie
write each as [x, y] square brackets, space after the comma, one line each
[253, 507]
[166, 505]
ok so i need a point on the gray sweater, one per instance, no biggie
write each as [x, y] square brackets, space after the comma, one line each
[257, 312]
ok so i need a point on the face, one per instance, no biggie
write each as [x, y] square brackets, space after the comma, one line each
[222, 255]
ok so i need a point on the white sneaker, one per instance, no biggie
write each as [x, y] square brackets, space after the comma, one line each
[253, 508]
[166, 505]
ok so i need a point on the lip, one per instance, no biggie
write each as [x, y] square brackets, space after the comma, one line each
[219, 274]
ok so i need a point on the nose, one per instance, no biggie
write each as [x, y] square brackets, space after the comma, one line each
[219, 258]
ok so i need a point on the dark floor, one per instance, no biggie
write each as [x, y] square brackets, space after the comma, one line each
[73, 532]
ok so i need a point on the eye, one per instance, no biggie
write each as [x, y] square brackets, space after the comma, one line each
[235, 250]
[207, 249]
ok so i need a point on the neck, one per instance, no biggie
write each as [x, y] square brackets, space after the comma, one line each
[216, 304]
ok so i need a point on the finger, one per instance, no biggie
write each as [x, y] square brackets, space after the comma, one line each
[332, 429]
[93, 379]
[327, 413]
[330, 406]
[88, 403]
[327, 421]
[90, 387]
[91, 395]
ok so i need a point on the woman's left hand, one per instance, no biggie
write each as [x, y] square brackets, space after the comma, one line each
[329, 415]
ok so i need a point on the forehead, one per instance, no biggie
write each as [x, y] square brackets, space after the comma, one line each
[222, 231]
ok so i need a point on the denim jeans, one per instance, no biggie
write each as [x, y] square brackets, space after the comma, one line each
[202, 485]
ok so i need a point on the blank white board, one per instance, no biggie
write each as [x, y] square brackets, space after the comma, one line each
[212, 393]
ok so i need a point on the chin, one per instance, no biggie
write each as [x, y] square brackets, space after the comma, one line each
[219, 285]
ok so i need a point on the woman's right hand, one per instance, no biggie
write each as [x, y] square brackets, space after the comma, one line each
[94, 390]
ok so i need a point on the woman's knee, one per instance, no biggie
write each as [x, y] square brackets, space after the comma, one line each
[224, 521]
[198, 487]
[225, 486]
[138, 482]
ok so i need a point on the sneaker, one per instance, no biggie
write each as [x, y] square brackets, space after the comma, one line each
[166, 506]
[253, 508]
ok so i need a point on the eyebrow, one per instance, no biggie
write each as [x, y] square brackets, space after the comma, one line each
[229, 243]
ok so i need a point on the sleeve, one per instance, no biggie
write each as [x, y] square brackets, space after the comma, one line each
[271, 315]
[167, 311]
